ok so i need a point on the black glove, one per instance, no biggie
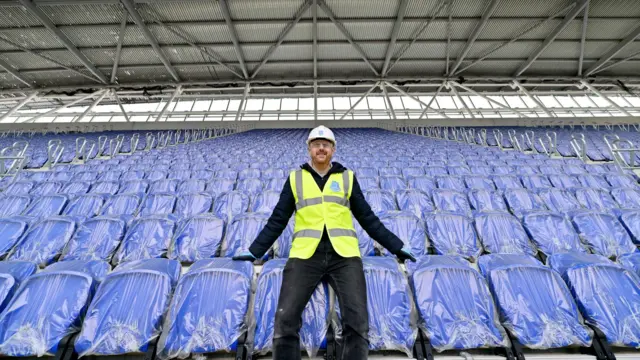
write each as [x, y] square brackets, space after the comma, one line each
[244, 256]
[405, 254]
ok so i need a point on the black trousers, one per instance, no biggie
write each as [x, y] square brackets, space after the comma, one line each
[300, 279]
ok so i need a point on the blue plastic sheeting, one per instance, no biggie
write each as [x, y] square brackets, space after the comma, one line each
[275, 184]
[409, 228]
[132, 175]
[368, 183]
[365, 243]
[593, 181]
[503, 234]
[230, 204]
[33, 323]
[220, 185]
[44, 242]
[265, 201]
[415, 201]
[458, 170]
[412, 171]
[250, 186]
[552, 233]
[105, 187]
[532, 182]
[86, 176]
[249, 174]
[127, 311]
[627, 198]
[503, 182]
[203, 174]
[76, 188]
[534, 303]
[603, 234]
[453, 234]
[564, 181]
[95, 239]
[389, 171]
[158, 204]
[227, 174]
[621, 181]
[392, 183]
[45, 188]
[208, 309]
[522, 201]
[11, 231]
[156, 175]
[46, 206]
[124, 204]
[479, 182]
[455, 305]
[424, 183]
[435, 170]
[630, 219]
[503, 170]
[631, 262]
[193, 204]
[482, 170]
[19, 270]
[8, 285]
[573, 169]
[608, 295]
[380, 200]
[146, 238]
[527, 170]
[367, 172]
[484, 200]
[191, 186]
[315, 317]
[19, 188]
[97, 269]
[559, 200]
[451, 183]
[273, 173]
[197, 238]
[451, 201]
[179, 175]
[163, 186]
[595, 199]
[242, 231]
[134, 187]
[85, 206]
[113, 175]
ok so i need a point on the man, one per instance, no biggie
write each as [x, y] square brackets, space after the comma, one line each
[323, 195]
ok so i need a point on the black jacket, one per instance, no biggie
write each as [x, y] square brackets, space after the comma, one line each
[359, 207]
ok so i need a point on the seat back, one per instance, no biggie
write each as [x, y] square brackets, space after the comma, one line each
[95, 239]
[502, 233]
[453, 234]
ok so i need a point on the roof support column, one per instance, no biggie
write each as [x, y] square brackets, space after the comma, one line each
[116, 60]
[124, 113]
[524, 90]
[389, 104]
[603, 96]
[90, 108]
[394, 34]
[364, 96]
[19, 105]
[234, 36]
[455, 92]
[243, 102]
[583, 37]
[166, 106]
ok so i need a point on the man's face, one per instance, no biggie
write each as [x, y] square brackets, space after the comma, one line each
[321, 151]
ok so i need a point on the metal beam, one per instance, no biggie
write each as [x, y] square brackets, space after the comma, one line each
[63, 106]
[124, 113]
[281, 37]
[618, 62]
[150, 38]
[314, 35]
[497, 103]
[524, 90]
[364, 96]
[447, 62]
[116, 60]
[428, 106]
[15, 73]
[554, 34]
[433, 98]
[402, 9]
[234, 36]
[63, 38]
[583, 37]
[90, 108]
[605, 97]
[176, 92]
[476, 32]
[346, 34]
[389, 104]
[243, 102]
[614, 51]
[455, 92]
[19, 105]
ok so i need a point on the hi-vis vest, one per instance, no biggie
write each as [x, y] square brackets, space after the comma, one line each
[316, 209]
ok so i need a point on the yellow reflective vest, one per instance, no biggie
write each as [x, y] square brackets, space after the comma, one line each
[317, 209]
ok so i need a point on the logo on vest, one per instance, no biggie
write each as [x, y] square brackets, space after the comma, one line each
[335, 186]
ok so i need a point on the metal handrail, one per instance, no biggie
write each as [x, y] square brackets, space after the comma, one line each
[102, 143]
[497, 134]
[151, 141]
[531, 140]
[617, 150]
[579, 145]
[81, 142]
[54, 152]
[609, 139]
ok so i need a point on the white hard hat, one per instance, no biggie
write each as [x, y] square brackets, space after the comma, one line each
[321, 132]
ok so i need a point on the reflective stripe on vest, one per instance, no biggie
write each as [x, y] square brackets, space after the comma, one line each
[344, 201]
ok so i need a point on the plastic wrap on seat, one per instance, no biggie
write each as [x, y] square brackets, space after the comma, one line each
[315, 318]
[230, 204]
[559, 200]
[392, 183]
[179, 175]
[95, 239]
[534, 303]
[20, 188]
[479, 182]
[163, 186]
[484, 200]
[423, 183]
[412, 171]
[19, 270]
[455, 305]
[367, 172]
[273, 173]
[265, 201]
[134, 187]
[97, 269]
[608, 295]
[409, 228]
[85, 206]
[8, 285]
[249, 174]
[191, 186]
[46, 206]
[365, 243]
[451, 201]
[627, 198]
[47, 307]
[564, 181]
[595, 199]
[11, 231]
[503, 170]
[276, 184]
[193, 204]
[504, 182]
[146, 238]
[128, 308]
[44, 241]
[603, 234]
[435, 170]
[227, 174]
[199, 237]
[593, 181]
[76, 188]
[105, 187]
[450, 183]
[241, 232]
[208, 309]
[158, 204]
[112, 175]
[389, 171]
[629, 261]
[45, 188]
[123, 204]
[621, 181]
[415, 201]
[132, 175]
[250, 186]
[552, 233]
[532, 182]
[502, 233]
[458, 170]
[453, 234]
[630, 219]
[522, 201]
[380, 200]
[368, 183]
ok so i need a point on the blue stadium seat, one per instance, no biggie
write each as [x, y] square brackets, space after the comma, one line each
[76, 188]
[275, 184]
[559, 200]
[435, 171]
[179, 175]
[208, 310]
[19, 270]
[155, 175]
[367, 172]
[250, 186]
[533, 182]
[504, 170]
[158, 204]
[596, 199]
[219, 186]
[146, 238]
[502, 233]
[627, 198]
[593, 181]
[564, 181]
[455, 305]
[552, 233]
[450, 183]
[631, 262]
[527, 170]
[380, 200]
[191, 186]
[265, 201]
[203, 174]
[535, 305]
[126, 205]
[412, 171]
[193, 204]
[132, 175]
[522, 201]
[227, 174]
[482, 170]
[11, 230]
[164, 186]
[389, 171]
[113, 175]
[105, 187]
[229, 204]
[315, 318]
[630, 219]
[199, 237]
[273, 173]
[458, 170]
[95, 268]
[365, 243]
[241, 232]
[479, 182]
[44, 241]
[424, 183]
[504, 182]
[603, 234]
[95, 239]
[607, 294]
[409, 228]
[484, 200]
[12, 205]
[392, 183]
[415, 201]
[368, 183]
[46, 188]
[20, 188]
[453, 234]
[127, 311]
[134, 187]
[451, 201]
[621, 181]
[249, 174]
[84, 207]
[46, 206]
